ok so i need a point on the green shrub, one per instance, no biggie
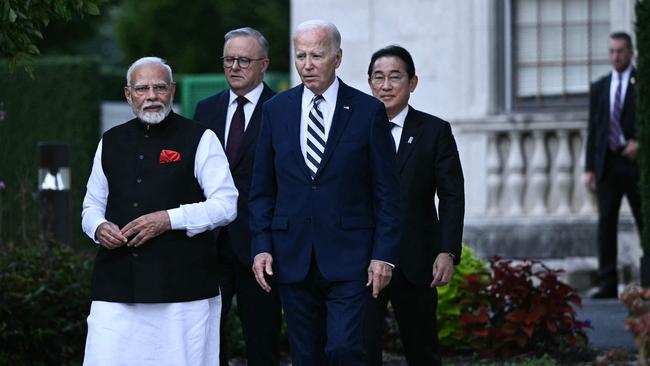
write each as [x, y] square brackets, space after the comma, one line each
[449, 297]
[44, 301]
[60, 104]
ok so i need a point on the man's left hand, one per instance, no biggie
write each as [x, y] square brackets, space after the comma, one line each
[146, 227]
[630, 149]
[443, 269]
[379, 275]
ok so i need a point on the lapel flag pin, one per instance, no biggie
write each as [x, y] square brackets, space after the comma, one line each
[346, 107]
[632, 80]
[410, 139]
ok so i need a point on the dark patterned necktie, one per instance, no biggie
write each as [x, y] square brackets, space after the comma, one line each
[615, 133]
[236, 132]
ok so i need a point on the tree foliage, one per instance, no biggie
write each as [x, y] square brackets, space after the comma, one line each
[643, 114]
[190, 35]
[22, 22]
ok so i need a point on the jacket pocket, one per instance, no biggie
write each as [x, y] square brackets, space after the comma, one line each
[280, 223]
[357, 222]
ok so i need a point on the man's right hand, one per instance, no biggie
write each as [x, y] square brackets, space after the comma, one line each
[590, 181]
[262, 264]
[109, 235]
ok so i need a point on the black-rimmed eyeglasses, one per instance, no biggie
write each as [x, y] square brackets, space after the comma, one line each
[243, 62]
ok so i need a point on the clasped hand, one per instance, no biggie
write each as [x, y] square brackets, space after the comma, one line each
[140, 230]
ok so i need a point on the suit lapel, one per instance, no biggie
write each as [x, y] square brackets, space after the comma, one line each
[219, 118]
[628, 104]
[342, 113]
[293, 126]
[253, 128]
[410, 137]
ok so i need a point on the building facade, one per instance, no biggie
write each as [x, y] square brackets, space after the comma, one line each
[512, 77]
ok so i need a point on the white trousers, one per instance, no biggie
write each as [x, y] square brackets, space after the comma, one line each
[174, 334]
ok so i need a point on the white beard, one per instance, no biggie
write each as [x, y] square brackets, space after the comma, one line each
[152, 117]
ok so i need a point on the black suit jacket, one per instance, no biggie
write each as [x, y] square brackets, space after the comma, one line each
[212, 113]
[428, 163]
[599, 120]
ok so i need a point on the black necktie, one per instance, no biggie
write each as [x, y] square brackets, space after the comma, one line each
[236, 132]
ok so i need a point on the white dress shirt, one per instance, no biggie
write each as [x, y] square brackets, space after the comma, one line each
[253, 97]
[326, 106]
[210, 169]
[399, 121]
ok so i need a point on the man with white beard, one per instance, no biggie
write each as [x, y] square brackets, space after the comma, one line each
[159, 184]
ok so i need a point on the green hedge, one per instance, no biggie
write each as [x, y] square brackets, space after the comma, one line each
[643, 114]
[59, 104]
[44, 301]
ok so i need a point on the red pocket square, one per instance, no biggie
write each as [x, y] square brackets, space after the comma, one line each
[169, 156]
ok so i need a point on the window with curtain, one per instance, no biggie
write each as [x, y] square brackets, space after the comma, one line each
[558, 48]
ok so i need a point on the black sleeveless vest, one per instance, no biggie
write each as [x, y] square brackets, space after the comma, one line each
[171, 267]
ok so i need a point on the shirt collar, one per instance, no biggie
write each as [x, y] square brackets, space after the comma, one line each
[400, 118]
[624, 75]
[329, 95]
[253, 96]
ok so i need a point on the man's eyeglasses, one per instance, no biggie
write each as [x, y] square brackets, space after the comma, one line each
[243, 62]
[378, 80]
[158, 89]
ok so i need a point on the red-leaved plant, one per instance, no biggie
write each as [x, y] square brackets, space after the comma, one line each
[520, 308]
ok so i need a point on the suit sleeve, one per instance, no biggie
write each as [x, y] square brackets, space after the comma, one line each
[198, 112]
[385, 186]
[451, 193]
[263, 190]
[591, 130]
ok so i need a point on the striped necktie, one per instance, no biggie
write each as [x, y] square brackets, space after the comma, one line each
[316, 137]
[616, 139]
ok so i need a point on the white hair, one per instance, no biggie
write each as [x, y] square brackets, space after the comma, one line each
[252, 33]
[148, 61]
[314, 24]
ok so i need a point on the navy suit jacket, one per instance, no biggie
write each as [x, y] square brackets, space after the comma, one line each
[429, 164]
[349, 213]
[212, 112]
[599, 121]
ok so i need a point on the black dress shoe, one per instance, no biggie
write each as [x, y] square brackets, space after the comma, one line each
[603, 293]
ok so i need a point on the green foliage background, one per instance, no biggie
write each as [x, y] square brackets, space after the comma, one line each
[44, 302]
[190, 35]
[643, 114]
[60, 104]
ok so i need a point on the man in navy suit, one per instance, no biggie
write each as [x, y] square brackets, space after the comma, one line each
[235, 115]
[325, 211]
[611, 168]
[429, 165]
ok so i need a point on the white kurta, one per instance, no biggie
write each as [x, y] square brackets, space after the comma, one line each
[184, 333]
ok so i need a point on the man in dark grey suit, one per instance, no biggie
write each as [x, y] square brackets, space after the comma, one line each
[611, 167]
[429, 165]
[235, 115]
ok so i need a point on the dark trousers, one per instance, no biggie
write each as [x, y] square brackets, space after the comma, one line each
[325, 320]
[260, 313]
[621, 178]
[415, 312]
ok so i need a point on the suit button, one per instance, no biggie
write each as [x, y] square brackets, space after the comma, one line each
[139, 180]
[146, 135]
[134, 254]
[135, 204]
[313, 188]
[141, 157]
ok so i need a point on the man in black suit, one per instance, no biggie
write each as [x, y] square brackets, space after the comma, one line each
[611, 167]
[235, 115]
[428, 164]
